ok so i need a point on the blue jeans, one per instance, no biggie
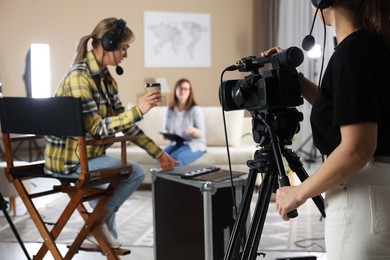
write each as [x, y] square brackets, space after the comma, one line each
[182, 153]
[122, 192]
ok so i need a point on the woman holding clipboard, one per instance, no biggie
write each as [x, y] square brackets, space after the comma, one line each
[184, 125]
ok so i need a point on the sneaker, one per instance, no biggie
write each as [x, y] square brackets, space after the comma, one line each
[107, 236]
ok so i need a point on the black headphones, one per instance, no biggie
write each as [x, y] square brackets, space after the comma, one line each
[322, 4]
[111, 39]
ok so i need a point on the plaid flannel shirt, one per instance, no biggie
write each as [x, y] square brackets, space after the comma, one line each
[103, 113]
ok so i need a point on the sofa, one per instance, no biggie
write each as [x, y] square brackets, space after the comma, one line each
[239, 133]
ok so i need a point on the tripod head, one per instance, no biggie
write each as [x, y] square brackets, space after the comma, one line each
[273, 130]
[284, 123]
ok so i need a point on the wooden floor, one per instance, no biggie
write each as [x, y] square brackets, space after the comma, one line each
[14, 251]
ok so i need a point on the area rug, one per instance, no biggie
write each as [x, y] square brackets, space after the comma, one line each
[303, 233]
[134, 222]
[135, 226]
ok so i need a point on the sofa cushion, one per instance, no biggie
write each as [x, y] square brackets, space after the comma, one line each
[215, 133]
[247, 137]
[152, 124]
[215, 155]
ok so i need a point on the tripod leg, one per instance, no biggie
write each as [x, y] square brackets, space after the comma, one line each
[3, 205]
[296, 166]
[256, 228]
[238, 232]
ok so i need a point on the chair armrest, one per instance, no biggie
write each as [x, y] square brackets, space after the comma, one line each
[22, 138]
[33, 166]
[101, 175]
[30, 170]
[111, 140]
[115, 139]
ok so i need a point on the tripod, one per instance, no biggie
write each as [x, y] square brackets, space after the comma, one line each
[3, 206]
[267, 160]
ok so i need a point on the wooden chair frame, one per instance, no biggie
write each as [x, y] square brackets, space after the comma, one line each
[60, 116]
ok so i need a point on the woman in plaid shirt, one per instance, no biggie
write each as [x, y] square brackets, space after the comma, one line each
[89, 79]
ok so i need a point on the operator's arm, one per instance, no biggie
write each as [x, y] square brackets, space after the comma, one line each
[358, 144]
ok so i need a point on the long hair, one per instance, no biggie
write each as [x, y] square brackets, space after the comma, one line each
[101, 28]
[372, 15]
[191, 98]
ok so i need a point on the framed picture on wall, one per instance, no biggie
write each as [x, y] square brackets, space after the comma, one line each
[175, 39]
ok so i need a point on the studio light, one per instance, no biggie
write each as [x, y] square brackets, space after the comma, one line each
[315, 52]
[40, 70]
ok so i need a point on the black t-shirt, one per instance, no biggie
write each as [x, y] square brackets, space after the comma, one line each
[355, 88]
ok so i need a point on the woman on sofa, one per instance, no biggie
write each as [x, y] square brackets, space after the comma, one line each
[185, 119]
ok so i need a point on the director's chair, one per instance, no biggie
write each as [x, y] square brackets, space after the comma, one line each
[60, 116]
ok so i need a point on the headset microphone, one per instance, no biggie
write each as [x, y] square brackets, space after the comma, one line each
[308, 42]
[119, 70]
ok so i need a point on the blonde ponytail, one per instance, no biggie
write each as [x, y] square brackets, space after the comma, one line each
[82, 49]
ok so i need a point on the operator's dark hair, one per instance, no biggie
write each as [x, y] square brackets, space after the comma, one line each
[101, 28]
[372, 15]
[191, 98]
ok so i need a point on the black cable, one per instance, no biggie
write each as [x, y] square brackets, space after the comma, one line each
[228, 151]
[230, 166]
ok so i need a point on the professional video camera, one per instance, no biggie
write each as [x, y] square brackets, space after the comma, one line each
[274, 95]
[276, 88]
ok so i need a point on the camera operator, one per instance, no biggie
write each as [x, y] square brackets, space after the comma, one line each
[350, 122]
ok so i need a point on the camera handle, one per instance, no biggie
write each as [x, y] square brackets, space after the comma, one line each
[267, 160]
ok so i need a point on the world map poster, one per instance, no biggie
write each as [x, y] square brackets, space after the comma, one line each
[173, 39]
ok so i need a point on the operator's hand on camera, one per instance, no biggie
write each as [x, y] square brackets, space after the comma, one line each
[166, 162]
[287, 199]
[149, 100]
[271, 51]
